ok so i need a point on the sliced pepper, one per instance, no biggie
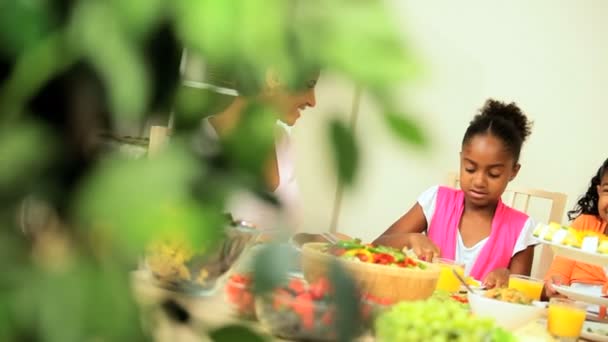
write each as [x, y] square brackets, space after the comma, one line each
[401, 263]
[397, 254]
[383, 258]
[350, 244]
[361, 253]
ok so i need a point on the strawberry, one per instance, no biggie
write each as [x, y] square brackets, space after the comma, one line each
[328, 317]
[303, 305]
[281, 299]
[246, 302]
[297, 286]
[233, 292]
[308, 320]
[238, 278]
[320, 288]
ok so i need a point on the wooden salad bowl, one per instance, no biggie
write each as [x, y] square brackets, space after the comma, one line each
[381, 281]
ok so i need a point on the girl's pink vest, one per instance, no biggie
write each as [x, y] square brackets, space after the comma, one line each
[498, 250]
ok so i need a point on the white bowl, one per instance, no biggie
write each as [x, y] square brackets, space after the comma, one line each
[507, 315]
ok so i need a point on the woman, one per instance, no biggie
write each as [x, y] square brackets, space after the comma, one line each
[279, 168]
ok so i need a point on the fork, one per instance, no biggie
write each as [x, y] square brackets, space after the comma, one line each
[330, 237]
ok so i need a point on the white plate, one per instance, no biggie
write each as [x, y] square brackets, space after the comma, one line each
[578, 294]
[591, 336]
[578, 254]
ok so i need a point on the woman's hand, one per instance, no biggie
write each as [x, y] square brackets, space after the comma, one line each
[554, 280]
[422, 246]
[497, 278]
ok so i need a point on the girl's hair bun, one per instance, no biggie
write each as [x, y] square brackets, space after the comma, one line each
[494, 109]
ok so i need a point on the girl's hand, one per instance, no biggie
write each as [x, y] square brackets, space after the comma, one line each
[554, 280]
[497, 278]
[423, 247]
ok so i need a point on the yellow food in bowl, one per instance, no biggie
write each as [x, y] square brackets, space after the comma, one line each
[508, 295]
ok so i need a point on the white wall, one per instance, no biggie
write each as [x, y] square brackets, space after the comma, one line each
[547, 56]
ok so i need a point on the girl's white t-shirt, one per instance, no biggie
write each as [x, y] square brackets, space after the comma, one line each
[244, 205]
[468, 255]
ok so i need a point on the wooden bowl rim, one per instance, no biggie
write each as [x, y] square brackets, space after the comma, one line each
[312, 249]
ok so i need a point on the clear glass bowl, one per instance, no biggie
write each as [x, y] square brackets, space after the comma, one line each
[290, 317]
[201, 274]
[300, 311]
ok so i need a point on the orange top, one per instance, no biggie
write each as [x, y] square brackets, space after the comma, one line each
[579, 272]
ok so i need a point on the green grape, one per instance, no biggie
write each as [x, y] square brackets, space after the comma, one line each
[436, 320]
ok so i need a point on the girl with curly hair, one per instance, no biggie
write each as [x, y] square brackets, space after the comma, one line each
[589, 214]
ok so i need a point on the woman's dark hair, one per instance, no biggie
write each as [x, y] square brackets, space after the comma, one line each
[587, 204]
[505, 121]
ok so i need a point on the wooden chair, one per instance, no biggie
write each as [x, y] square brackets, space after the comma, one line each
[520, 199]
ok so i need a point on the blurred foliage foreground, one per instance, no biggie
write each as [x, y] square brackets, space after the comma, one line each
[75, 219]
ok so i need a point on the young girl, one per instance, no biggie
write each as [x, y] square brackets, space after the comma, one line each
[472, 225]
[590, 214]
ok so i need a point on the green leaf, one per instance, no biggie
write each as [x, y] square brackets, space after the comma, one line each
[404, 128]
[264, 43]
[97, 33]
[34, 67]
[139, 200]
[138, 16]
[271, 266]
[347, 303]
[25, 149]
[345, 152]
[192, 104]
[84, 300]
[230, 333]
[209, 26]
[251, 144]
[22, 24]
[350, 36]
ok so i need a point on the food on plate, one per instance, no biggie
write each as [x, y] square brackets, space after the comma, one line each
[588, 241]
[445, 296]
[435, 320]
[355, 250]
[509, 295]
[603, 247]
[555, 231]
[597, 331]
[574, 239]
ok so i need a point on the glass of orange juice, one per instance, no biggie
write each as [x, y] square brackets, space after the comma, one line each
[531, 287]
[565, 318]
[447, 280]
